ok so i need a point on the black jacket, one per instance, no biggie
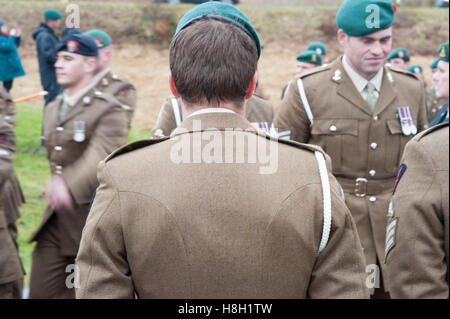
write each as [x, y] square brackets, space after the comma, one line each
[46, 41]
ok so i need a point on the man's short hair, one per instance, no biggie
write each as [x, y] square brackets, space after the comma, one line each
[213, 61]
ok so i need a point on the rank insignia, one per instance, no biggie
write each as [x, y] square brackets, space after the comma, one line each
[407, 120]
[79, 132]
[401, 171]
[72, 45]
[337, 75]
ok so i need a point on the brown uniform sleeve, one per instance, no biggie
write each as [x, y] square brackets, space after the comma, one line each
[165, 123]
[101, 260]
[127, 96]
[339, 271]
[415, 233]
[110, 133]
[291, 115]
[7, 148]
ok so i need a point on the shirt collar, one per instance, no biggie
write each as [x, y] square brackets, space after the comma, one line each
[73, 100]
[360, 82]
[211, 110]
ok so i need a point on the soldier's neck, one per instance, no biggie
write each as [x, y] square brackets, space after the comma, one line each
[189, 109]
[78, 86]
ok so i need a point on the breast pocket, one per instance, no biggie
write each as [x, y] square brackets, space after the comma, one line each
[395, 143]
[338, 138]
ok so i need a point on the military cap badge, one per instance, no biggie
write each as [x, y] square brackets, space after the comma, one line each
[319, 50]
[401, 55]
[314, 58]
[99, 43]
[442, 54]
[72, 45]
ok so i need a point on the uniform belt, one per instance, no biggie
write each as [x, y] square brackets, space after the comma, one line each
[361, 186]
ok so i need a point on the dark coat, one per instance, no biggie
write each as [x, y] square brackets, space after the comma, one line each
[46, 41]
[10, 64]
[440, 117]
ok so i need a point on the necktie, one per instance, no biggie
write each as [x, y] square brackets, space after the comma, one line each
[64, 109]
[371, 96]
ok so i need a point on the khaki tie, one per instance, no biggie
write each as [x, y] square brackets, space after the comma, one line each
[371, 96]
[64, 109]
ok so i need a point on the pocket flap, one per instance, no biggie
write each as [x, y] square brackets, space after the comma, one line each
[335, 127]
[394, 126]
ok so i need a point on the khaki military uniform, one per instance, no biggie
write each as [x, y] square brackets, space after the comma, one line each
[365, 146]
[170, 116]
[197, 231]
[433, 103]
[94, 127]
[417, 240]
[120, 88]
[11, 197]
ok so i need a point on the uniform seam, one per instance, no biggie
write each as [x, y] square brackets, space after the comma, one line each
[172, 217]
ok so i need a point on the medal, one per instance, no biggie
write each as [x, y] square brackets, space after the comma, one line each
[411, 120]
[79, 131]
[404, 121]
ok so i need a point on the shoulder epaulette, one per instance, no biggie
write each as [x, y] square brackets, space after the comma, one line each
[435, 128]
[314, 71]
[396, 70]
[106, 97]
[135, 146]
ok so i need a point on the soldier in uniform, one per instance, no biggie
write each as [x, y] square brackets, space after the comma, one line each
[305, 61]
[257, 110]
[399, 59]
[434, 104]
[11, 197]
[417, 236]
[319, 47]
[108, 82]
[441, 80]
[214, 230]
[82, 126]
[361, 113]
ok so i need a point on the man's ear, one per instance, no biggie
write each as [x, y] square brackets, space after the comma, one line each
[91, 64]
[252, 86]
[342, 37]
[172, 86]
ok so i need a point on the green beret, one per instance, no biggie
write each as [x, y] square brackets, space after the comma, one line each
[358, 18]
[400, 53]
[101, 37]
[415, 69]
[222, 11]
[443, 52]
[435, 63]
[319, 47]
[52, 14]
[310, 56]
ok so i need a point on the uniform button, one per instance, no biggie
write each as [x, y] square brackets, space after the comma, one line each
[333, 128]
[59, 167]
[373, 146]
[375, 118]
[372, 172]
[58, 172]
[373, 199]
[58, 148]
[60, 128]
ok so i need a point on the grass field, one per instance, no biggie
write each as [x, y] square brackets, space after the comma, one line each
[33, 171]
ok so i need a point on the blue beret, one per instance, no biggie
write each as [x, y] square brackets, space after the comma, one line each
[319, 47]
[78, 43]
[435, 63]
[358, 18]
[415, 69]
[52, 14]
[222, 11]
[400, 53]
[310, 56]
[443, 52]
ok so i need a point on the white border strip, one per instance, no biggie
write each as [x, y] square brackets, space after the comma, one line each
[326, 201]
[306, 105]
[176, 111]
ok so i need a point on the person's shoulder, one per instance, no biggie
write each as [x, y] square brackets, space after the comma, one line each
[131, 148]
[317, 72]
[433, 134]
[113, 77]
[402, 76]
